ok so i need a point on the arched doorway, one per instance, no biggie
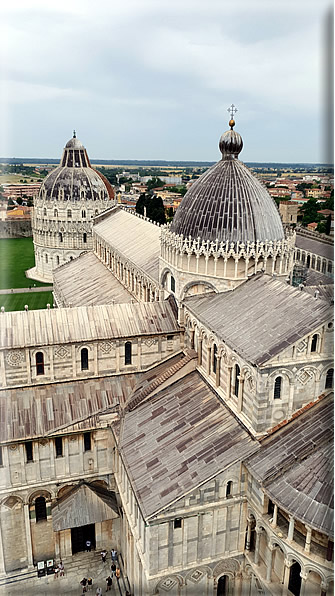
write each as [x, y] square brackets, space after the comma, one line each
[222, 589]
[294, 583]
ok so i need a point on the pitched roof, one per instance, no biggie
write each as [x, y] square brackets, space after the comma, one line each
[313, 245]
[177, 440]
[137, 239]
[261, 317]
[295, 466]
[37, 411]
[86, 281]
[85, 323]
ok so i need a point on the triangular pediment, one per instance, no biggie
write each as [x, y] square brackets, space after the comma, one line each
[83, 506]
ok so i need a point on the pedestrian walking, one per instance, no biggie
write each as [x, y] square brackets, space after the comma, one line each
[109, 581]
[113, 568]
[117, 573]
[113, 554]
[88, 546]
[84, 584]
[61, 568]
[56, 571]
[89, 584]
[99, 592]
[103, 555]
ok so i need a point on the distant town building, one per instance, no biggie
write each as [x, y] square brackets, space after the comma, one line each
[288, 212]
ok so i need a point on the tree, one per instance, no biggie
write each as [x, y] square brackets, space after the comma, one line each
[153, 207]
[19, 200]
[310, 212]
[154, 183]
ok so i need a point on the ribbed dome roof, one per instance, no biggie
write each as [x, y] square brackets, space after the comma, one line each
[75, 179]
[228, 203]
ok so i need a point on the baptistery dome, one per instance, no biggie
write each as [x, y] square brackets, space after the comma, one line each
[75, 179]
[69, 199]
[228, 203]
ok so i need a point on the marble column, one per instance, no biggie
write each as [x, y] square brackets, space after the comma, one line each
[286, 578]
[303, 584]
[192, 338]
[269, 565]
[290, 529]
[248, 540]
[230, 368]
[199, 351]
[258, 539]
[240, 394]
[218, 370]
[308, 540]
[28, 535]
[274, 517]
[324, 588]
[2, 557]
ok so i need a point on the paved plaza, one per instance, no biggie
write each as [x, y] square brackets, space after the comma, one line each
[79, 566]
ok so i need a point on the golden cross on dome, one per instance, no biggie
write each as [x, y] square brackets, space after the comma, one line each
[232, 110]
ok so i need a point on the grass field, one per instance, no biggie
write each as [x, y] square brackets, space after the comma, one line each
[16, 255]
[35, 300]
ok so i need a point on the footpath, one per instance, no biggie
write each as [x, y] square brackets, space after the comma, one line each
[31, 289]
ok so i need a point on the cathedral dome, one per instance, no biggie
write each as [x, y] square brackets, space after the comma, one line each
[75, 179]
[228, 202]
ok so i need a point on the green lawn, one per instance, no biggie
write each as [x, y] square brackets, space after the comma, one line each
[16, 255]
[35, 300]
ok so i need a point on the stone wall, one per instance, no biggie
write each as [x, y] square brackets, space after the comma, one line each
[20, 228]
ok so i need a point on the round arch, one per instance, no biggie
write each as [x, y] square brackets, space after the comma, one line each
[199, 282]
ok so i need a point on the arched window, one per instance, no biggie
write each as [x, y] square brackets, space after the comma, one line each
[40, 509]
[314, 342]
[303, 257]
[298, 255]
[44, 212]
[60, 237]
[127, 352]
[69, 213]
[84, 359]
[237, 379]
[172, 284]
[215, 357]
[229, 489]
[83, 214]
[84, 237]
[277, 388]
[39, 358]
[329, 378]
[55, 213]
[330, 267]
[46, 258]
[308, 262]
[324, 266]
[313, 262]
[318, 264]
[71, 258]
[57, 260]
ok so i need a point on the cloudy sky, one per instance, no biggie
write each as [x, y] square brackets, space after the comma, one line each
[152, 79]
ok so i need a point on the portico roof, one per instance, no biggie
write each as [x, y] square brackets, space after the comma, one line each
[86, 504]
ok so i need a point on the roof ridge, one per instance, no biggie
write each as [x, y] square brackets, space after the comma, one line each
[168, 373]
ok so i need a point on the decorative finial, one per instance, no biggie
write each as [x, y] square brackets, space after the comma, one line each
[74, 134]
[232, 110]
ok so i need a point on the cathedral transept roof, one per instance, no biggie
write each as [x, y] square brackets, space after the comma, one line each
[177, 440]
[261, 317]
